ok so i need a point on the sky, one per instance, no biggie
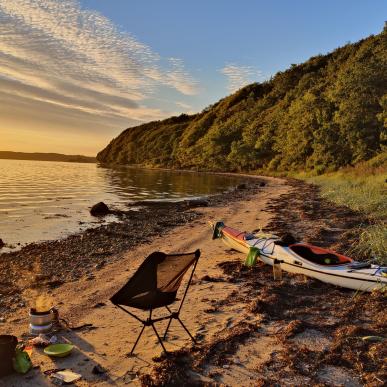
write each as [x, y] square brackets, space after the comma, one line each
[75, 73]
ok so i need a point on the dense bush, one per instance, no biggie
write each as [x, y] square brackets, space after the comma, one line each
[320, 115]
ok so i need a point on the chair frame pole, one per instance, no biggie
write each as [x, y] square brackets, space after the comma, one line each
[169, 323]
[138, 339]
[176, 314]
[147, 322]
[159, 338]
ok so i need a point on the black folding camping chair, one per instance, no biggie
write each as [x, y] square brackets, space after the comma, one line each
[155, 285]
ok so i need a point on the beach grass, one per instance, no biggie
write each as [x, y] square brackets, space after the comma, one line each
[362, 188]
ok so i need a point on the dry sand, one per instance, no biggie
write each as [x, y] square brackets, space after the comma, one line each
[240, 343]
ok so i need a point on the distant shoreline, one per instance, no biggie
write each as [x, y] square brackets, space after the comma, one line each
[37, 156]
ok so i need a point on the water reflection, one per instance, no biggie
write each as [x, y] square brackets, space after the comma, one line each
[136, 184]
[42, 200]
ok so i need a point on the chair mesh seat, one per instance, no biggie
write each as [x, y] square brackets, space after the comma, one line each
[155, 285]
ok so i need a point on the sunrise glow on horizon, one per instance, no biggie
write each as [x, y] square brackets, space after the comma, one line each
[74, 74]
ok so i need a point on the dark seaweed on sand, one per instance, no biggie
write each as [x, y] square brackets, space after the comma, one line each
[298, 305]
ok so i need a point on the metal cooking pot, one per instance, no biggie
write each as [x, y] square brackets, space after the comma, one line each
[40, 318]
[38, 329]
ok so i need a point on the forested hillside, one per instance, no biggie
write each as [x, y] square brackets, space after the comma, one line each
[328, 112]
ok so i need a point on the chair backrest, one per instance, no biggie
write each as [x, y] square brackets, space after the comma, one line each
[171, 270]
[160, 274]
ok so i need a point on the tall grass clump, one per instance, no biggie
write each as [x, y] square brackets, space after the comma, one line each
[373, 242]
[362, 188]
[362, 193]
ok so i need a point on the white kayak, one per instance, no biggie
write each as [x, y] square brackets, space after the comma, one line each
[302, 258]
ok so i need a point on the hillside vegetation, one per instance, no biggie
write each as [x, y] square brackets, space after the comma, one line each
[326, 113]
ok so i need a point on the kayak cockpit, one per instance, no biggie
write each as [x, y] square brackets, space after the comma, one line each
[318, 255]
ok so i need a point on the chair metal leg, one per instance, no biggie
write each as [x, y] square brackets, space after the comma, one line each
[176, 316]
[160, 341]
[169, 322]
[138, 338]
[181, 322]
[166, 331]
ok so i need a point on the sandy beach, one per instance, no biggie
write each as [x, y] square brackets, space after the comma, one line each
[229, 155]
[251, 330]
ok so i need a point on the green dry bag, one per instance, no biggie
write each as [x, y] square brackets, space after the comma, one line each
[21, 362]
[252, 256]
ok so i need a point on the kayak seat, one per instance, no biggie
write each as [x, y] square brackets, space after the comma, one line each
[325, 259]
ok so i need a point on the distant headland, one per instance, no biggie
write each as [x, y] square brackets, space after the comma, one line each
[46, 157]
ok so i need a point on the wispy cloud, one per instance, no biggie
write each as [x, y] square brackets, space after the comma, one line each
[183, 105]
[54, 54]
[239, 75]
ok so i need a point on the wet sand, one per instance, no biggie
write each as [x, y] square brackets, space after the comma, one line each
[251, 329]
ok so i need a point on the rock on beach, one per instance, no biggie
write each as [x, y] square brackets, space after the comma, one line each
[100, 209]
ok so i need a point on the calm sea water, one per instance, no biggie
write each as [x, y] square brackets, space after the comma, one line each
[42, 200]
